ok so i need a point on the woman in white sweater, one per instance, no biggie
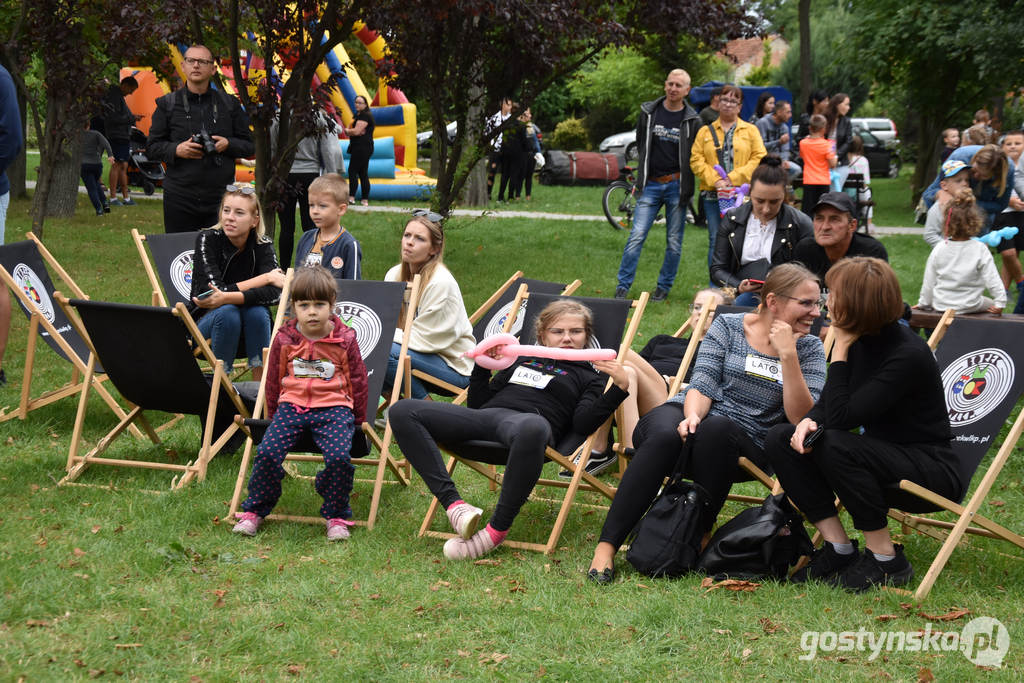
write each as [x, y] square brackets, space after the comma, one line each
[960, 269]
[441, 331]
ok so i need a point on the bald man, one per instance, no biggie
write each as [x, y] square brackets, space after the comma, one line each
[664, 133]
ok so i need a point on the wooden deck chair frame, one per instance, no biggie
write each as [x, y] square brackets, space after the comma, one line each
[77, 464]
[458, 392]
[381, 442]
[581, 480]
[40, 324]
[969, 520]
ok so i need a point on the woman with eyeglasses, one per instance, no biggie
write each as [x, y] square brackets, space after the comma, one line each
[441, 331]
[360, 149]
[881, 418]
[753, 370]
[235, 278]
[730, 143]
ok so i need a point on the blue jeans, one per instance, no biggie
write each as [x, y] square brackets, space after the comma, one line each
[651, 199]
[747, 299]
[225, 324]
[714, 220]
[430, 363]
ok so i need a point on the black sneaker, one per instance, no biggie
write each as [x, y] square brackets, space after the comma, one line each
[659, 294]
[621, 292]
[825, 564]
[868, 572]
[3, 378]
[596, 464]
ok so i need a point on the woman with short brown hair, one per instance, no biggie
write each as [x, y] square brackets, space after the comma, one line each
[881, 418]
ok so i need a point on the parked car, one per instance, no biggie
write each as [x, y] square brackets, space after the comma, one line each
[883, 157]
[883, 129]
[621, 143]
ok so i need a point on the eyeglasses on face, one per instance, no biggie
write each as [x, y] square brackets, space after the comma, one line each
[242, 189]
[429, 215]
[192, 61]
[728, 101]
[806, 303]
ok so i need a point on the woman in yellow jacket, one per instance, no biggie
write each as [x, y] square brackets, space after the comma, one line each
[736, 145]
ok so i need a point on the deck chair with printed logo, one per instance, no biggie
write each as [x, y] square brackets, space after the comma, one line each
[611, 317]
[23, 269]
[373, 310]
[982, 367]
[171, 278]
[489, 319]
[147, 354]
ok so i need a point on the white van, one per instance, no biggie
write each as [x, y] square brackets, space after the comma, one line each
[883, 129]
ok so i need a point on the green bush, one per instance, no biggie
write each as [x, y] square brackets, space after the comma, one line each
[570, 134]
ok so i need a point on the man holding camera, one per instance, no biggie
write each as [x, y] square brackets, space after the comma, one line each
[197, 132]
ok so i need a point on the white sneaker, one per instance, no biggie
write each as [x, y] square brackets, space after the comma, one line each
[337, 529]
[477, 546]
[464, 519]
[248, 523]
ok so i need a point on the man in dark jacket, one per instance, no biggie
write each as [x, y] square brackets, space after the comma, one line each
[664, 133]
[118, 120]
[197, 132]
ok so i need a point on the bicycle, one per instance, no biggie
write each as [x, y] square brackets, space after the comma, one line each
[619, 201]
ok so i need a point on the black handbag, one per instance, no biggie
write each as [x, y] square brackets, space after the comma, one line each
[760, 542]
[666, 540]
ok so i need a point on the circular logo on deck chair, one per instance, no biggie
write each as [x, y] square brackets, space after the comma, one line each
[181, 274]
[34, 290]
[363, 321]
[975, 383]
[496, 325]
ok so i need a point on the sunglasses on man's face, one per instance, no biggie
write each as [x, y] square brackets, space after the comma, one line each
[429, 215]
[242, 189]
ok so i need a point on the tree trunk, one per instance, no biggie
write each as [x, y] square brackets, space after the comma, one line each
[927, 154]
[63, 195]
[476, 186]
[805, 52]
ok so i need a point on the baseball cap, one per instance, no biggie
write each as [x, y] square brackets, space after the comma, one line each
[837, 200]
[951, 167]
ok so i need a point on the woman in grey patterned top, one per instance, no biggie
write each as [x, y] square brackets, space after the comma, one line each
[753, 370]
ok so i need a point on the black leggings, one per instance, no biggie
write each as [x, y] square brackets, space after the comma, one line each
[812, 193]
[359, 171]
[420, 425]
[296, 192]
[511, 174]
[861, 470]
[493, 166]
[189, 212]
[718, 444]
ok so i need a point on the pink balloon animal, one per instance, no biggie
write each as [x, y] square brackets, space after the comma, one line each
[512, 349]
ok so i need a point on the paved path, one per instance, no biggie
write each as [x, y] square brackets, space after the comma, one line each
[497, 213]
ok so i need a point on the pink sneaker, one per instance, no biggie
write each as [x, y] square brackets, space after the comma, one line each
[337, 529]
[479, 545]
[464, 519]
[248, 523]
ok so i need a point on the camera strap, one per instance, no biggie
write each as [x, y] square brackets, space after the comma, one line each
[188, 108]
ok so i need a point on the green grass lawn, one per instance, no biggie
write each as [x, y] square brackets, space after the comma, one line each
[129, 584]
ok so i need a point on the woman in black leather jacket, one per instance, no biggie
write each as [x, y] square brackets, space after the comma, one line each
[758, 235]
[839, 127]
[235, 277]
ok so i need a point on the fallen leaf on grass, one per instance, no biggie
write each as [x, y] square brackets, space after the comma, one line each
[516, 587]
[768, 625]
[722, 631]
[96, 529]
[462, 653]
[997, 503]
[440, 584]
[219, 593]
[925, 675]
[640, 585]
[746, 653]
[494, 657]
[79, 663]
[487, 562]
[96, 673]
[127, 646]
[886, 617]
[734, 585]
[906, 605]
[952, 615]
[295, 669]
[38, 623]
[375, 596]
[78, 552]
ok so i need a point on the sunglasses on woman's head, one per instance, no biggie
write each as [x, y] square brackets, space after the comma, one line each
[243, 189]
[429, 215]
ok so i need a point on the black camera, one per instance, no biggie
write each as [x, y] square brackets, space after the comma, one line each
[203, 138]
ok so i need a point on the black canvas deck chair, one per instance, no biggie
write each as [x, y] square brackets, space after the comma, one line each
[490, 319]
[147, 352]
[170, 270]
[23, 269]
[373, 310]
[610, 320]
[982, 367]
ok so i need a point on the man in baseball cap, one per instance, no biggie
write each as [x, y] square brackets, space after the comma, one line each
[835, 235]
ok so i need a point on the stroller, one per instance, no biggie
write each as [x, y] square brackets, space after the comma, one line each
[142, 172]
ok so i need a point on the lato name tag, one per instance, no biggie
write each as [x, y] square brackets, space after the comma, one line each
[765, 368]
[530, 378]
[304, 368]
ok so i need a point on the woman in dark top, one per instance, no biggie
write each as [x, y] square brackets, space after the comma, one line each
[758, 235]
[360, 148]
[839, 126]
[235, 278]
[881, 418]
[526, 407]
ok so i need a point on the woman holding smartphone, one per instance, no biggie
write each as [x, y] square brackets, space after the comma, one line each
[881, 418]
